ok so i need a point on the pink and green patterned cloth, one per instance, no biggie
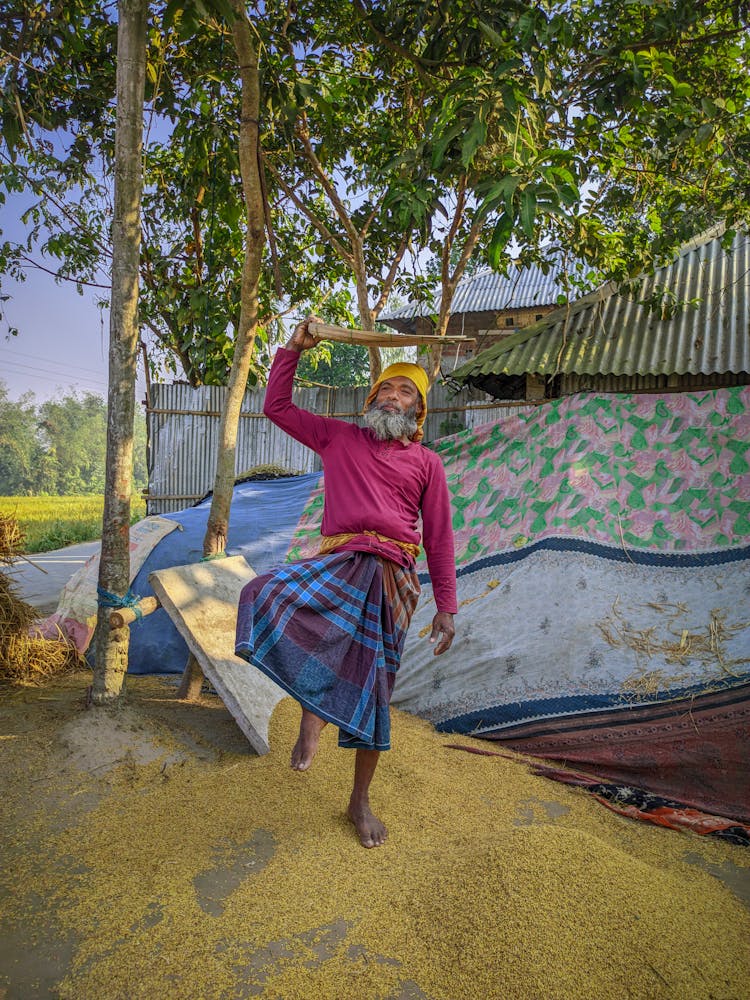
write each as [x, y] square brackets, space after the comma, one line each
[663, 472]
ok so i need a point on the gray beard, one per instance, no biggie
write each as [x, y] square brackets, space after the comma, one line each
[387, 426]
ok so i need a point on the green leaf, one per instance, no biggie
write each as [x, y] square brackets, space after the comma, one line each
[442, 144]
[569, 194]
[173, 8]
[221, 7]
[500, 191]
[509, 99]
[472, 141]
[528, 211]
[499, 240]
[491, 35]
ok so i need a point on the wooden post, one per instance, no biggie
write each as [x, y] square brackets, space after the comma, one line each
[192, 680]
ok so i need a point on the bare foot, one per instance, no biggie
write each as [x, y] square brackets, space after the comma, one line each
[310, 728]
[371, 832]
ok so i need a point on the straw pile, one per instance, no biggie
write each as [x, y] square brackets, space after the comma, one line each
[25, 657]
[267, 471]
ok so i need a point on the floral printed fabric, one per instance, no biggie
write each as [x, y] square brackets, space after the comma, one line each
[664, 472]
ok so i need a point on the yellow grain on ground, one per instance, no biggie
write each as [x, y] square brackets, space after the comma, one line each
[156, 857]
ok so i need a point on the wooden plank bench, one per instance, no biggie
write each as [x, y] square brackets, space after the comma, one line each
[201, 599]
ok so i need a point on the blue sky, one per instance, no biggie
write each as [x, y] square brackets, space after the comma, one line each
[61, 343]
[63, 337]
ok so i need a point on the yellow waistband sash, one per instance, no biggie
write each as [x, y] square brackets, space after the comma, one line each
[330, 542]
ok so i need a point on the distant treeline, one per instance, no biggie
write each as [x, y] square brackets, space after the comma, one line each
[58, 446]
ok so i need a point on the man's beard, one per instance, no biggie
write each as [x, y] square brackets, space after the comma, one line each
[388, 425]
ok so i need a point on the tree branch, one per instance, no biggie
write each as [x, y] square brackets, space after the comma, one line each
[371, 218]
[471, 241]
[39, 191]
[445, 257]
[311, 217]
[332, 194]
[63, 277]
[175, 347]
[582, 80]
[400, 50]
[391, 276]
[269, 225]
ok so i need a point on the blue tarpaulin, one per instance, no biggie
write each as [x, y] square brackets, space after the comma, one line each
[262, 520]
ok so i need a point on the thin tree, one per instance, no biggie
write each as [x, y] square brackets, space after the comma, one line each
[214, 542]
[111, 646]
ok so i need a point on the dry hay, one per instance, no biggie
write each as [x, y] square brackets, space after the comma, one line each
[34, 660]
[237, 877]
[11, 539]
[267, 471]
[677, 647]
[25, 656]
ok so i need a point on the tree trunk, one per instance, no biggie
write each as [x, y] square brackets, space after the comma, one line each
[214, 542]
[366, 317]
[449, 281]
[111, 646]
[447, 291]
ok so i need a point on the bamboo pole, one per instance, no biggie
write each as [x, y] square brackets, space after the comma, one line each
[124, 616]
[374, 338]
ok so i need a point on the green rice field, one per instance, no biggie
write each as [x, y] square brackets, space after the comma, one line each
[52, 522]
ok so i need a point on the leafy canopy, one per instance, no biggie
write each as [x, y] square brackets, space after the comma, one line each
[401, 141]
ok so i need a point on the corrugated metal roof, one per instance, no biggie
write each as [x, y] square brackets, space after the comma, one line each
[613, 332]
[487, 291]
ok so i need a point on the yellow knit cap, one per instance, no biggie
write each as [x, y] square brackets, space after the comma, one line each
[418, 376]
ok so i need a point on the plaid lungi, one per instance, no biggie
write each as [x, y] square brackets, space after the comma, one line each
[330, 631]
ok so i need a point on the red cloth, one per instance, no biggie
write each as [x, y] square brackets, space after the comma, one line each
[644, 805]
[373, 485]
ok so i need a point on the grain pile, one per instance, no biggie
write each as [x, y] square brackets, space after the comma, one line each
[25, 658]
[196, 872]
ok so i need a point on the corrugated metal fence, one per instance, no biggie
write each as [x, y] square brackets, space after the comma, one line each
[183, 430]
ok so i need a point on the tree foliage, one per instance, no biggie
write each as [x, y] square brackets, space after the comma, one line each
[401, 141]
[20, 450]
[336, 364]
[614, 130]
[193, 210]
[337, 119]
[58, 446]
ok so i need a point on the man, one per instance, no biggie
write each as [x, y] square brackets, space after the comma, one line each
[330, 630]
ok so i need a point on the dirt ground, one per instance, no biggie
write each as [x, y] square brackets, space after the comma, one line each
[148, 853]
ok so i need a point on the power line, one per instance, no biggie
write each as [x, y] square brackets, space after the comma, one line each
[36, 357]
[62, 371]
[50, 375]
[58, 375]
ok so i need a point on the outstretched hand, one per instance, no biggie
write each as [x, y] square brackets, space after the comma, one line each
[442, 632]
[301, 338]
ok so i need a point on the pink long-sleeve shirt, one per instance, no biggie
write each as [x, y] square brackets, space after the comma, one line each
[372, 485]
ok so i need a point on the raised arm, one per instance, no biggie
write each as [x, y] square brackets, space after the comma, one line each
[307, 428]
[301, 338]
